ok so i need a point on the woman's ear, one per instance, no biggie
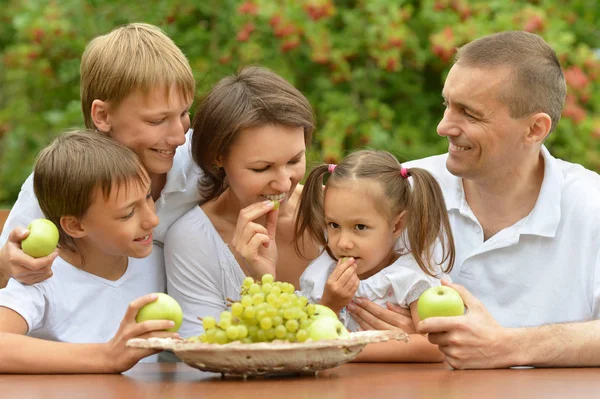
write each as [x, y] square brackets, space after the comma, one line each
[72, 226]
[399, 224]
[100, 117]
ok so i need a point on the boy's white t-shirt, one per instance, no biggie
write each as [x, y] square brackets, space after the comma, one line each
[400, 283]
[78, 307]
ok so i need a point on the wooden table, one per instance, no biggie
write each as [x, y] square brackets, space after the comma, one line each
[371, 381]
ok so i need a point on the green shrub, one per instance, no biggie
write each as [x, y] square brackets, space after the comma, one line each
[373, 69]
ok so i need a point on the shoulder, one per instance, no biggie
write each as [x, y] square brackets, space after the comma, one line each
[435, 164]
[580, 186]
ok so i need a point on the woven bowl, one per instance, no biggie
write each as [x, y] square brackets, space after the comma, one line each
[277, 357]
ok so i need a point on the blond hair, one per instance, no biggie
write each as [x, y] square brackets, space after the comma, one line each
[133, 57]
[73, 166]
[537, 83]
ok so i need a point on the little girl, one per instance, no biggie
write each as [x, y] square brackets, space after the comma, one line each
[379, 233]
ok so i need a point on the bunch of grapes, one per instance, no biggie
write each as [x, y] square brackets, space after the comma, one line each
[268, 310]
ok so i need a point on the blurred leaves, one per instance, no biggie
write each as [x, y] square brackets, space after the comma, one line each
[372, 69]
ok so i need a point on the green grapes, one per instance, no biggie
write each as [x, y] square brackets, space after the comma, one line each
[267, 310]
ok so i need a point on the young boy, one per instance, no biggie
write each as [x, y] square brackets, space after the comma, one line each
[97, 193]
[137, 87]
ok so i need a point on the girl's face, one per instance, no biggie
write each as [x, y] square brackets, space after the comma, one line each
[357, 228]
[152, 125]
[265, 162]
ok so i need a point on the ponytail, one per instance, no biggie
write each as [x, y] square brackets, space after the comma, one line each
[427, 221]
[310, 217]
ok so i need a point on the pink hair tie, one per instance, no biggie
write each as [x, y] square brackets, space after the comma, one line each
[331, 167]
[404, 173]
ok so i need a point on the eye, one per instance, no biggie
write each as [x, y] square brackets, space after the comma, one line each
[129, 215]
[333, 225]
[158, 122]
[360, 227]
[469, 116]
[294, 161]
[185, 113]
[261, 169]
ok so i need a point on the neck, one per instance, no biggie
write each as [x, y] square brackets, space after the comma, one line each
[493, 199]
[158, 183]
[90, 259]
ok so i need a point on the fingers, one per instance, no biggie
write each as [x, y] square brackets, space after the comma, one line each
[18, 234]
[439, 324]
[25, 268]
[375, 317]
[343, 265]
[135, 306]
[250, 213]
[35, 278]
[348, 276]
[271, 224]
[469, 299]
[148, 327]
[398, 309]
[362, 323]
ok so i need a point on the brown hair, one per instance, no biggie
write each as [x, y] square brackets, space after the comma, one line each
[254, 97]
[537, 83]
[427, 217]
[132, 57]
[69, 170]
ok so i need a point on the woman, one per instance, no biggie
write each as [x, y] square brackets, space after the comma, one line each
[250, 139]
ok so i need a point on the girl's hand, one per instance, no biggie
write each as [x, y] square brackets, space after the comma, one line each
[120, 357]
[22, 267]
[256, 243]
[341, 285]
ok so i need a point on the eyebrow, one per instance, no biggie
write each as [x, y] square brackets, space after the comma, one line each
[270, 162]
[132, 203]
[470, 109]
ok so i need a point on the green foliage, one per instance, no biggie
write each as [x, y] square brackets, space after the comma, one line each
[373, 69]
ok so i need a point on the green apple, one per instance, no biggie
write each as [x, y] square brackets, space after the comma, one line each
[164, 308]
[323, 311]
[440, 301]
[327, 328]
[42, 239]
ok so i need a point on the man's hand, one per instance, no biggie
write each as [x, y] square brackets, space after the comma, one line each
[371, 316]
[341, 285]
[472, 341]
[17, 264]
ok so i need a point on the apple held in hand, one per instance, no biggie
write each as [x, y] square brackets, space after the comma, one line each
[42, 239]
[440, 301]
[164, 308]
[327, 328]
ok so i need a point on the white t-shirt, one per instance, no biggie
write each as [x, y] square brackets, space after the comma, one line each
[78, 307]
[400, 283]
[543, 269]
[178, 196]
[201, 270]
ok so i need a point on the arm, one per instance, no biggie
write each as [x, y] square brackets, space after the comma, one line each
[25, 355]
[13, 261]
[195, 272]
[416, 350]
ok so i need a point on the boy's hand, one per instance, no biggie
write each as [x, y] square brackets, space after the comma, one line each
[341, 285]
[121, 358]
[17, 264]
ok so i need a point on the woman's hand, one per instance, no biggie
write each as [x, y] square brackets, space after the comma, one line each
[22, 267]
[121, 358]
[341, 285]
[371, 316]
[256, 243]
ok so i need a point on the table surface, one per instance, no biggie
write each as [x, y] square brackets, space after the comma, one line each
[177, 380]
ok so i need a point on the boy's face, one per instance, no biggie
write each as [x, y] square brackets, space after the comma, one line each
[122, 224]
[152, 125]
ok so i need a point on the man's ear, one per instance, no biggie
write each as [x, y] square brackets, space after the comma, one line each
[72, 226]
[539, 127]
[100, 116]
[399, 224]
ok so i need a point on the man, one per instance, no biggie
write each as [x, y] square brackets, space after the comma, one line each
[526, 225]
